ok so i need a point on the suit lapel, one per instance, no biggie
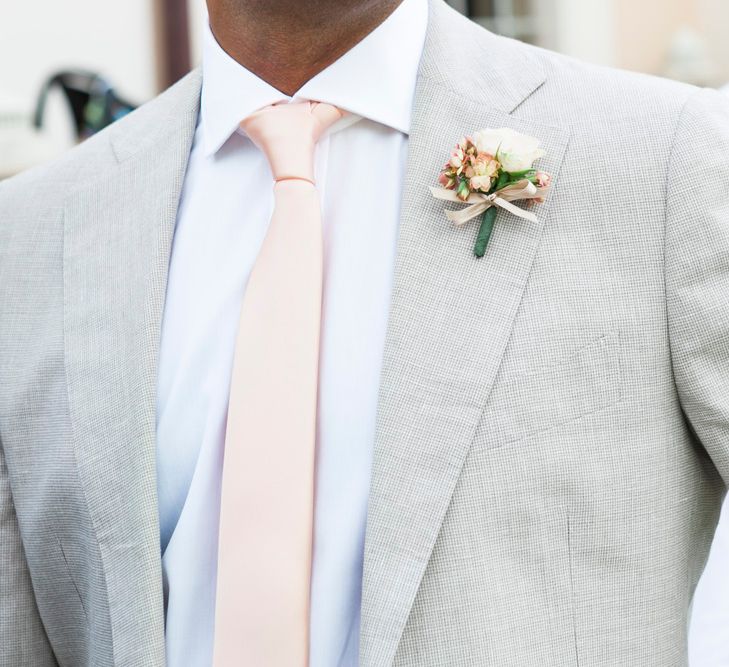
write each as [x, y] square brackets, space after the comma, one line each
[118, 233]
[450, 321]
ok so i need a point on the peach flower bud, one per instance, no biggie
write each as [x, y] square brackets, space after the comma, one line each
[446, 181]
[543, 179]
[481, 183]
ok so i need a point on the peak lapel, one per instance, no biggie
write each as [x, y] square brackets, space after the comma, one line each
[118, 233]
[450, 321]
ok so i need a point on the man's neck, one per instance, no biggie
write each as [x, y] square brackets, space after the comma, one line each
[287, 42]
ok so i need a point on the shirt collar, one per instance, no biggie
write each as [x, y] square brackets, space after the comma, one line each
[375, 79]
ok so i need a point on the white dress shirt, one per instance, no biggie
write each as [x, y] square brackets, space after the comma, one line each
[224, 212]
[708, 636]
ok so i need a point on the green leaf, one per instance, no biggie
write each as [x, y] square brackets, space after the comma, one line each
[519, 175]
[484, 232]
[516, 176]
[500, 182]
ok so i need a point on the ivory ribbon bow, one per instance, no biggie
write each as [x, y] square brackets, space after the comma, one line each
[502, 198]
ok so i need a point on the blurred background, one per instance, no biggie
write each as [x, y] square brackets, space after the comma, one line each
[96, 61]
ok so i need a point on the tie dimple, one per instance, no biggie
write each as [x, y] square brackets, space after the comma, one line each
[267, 498]
[287, 134]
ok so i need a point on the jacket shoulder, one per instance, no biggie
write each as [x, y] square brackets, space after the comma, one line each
[45, 187]
[465, 56]
[593, 93]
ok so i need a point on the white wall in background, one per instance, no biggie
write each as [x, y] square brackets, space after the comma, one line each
[585, 29]
[198, 17]
[112, 38]
[715, 24]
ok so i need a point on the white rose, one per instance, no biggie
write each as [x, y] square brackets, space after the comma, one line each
[515, 151]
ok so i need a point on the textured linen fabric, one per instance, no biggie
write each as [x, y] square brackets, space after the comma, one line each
[225, 209]
[571, 534]
[708, 638]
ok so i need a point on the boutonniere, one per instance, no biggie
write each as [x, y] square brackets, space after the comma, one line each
[490, 171]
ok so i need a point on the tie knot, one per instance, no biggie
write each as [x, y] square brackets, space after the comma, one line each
[287, 134]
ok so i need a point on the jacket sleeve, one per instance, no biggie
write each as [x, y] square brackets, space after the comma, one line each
[697, 270]
[23, 640]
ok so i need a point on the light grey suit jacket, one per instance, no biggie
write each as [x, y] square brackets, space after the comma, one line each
[553, 432]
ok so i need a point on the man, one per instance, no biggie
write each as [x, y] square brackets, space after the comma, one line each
[520, 458]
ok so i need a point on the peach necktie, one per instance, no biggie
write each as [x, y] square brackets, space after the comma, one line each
[266, 513]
